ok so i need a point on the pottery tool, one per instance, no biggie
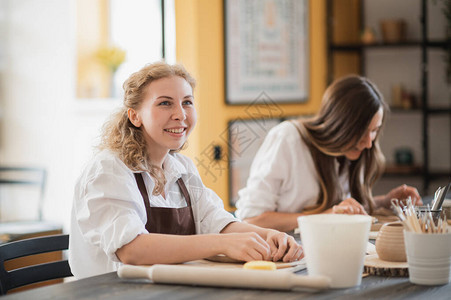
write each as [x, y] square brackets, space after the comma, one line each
[420, 219]
[214, 276]
[292, 267]
[440, 197]
[373, 265]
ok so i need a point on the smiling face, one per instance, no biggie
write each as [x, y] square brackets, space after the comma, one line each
[166, 116]
[366, 141]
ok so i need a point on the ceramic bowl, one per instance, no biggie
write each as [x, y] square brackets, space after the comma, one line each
[390, 242]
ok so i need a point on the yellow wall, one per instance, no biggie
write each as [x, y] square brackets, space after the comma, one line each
[92, 33]
[200, 47]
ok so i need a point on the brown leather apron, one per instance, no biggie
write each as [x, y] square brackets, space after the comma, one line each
[167, 220]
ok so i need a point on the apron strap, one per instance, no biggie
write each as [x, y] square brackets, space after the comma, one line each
[143, 191]
[184, 190]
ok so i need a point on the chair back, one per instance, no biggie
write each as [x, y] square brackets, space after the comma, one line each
[35, 273]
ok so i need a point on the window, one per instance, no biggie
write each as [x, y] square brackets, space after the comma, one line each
[108, 29]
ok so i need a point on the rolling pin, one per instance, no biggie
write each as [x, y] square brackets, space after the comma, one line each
[221, 277]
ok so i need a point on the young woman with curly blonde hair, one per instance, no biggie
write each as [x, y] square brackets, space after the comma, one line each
[140, 202]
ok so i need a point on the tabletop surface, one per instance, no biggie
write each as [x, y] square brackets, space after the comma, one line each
[110, 286]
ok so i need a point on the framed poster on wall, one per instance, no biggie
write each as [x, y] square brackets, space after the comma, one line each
[245, 138]
[266, 50]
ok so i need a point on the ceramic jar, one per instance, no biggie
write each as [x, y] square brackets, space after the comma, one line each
[390, 242]
[393, 31]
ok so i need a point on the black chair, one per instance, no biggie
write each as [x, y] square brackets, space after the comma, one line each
[35, 273]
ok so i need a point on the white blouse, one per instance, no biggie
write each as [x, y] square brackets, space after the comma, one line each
[283, 177]
[108, 210]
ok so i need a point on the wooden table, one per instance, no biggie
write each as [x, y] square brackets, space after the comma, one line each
[13, 231]
[109, 286]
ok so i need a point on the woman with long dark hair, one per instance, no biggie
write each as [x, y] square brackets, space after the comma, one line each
[324, 164]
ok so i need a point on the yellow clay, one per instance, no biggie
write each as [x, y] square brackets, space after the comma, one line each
[259, 265]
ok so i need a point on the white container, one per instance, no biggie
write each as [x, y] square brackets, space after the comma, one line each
[428, 257]
[335, 245]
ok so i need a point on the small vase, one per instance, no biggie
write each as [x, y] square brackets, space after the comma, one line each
[390, 242]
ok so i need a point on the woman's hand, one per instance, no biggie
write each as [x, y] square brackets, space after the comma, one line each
[283, 246]
[245, 246]
[401, 193]
[349, 206]
[249, 242]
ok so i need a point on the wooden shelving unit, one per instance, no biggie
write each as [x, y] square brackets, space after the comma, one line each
[346, 54]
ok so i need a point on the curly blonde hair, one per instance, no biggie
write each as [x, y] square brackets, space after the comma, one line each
[120, 136]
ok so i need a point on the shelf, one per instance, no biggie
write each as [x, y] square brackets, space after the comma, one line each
[412, 170]
[431, 110]
[439, 44]
[396, 109]
[439, 174]
[379, 45]
[439, 110]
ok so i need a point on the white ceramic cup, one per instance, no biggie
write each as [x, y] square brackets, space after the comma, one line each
[428, 257]
[335, 245]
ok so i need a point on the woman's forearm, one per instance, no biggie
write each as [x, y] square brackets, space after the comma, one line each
[238, 240]
[147, 249]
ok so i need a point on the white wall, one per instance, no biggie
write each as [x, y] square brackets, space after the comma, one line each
[41, 122]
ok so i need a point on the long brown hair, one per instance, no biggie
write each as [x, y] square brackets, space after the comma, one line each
[348, 106]
[119, 134]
